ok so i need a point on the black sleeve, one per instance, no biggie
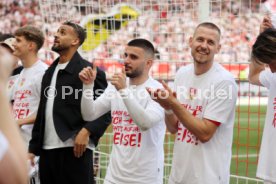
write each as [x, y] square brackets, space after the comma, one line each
[34, 144]
[98, 126]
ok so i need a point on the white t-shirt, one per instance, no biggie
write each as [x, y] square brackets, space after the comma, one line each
[137, 155]
[26, 94]
[267, 159]
[12, 80]
[3, 146]
[51, 139]
[212, 96]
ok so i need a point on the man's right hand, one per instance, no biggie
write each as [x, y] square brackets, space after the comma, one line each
[31, 157]
[88, 75]
[267, 23]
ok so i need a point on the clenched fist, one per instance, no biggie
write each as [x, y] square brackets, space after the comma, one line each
[88, 75]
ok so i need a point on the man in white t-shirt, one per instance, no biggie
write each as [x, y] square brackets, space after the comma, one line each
[26, 90]
[264, 53]
[201, 112]
[13, 164]
[137, 155]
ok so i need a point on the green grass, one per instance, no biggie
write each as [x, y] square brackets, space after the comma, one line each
[248, 130]
[246, 142]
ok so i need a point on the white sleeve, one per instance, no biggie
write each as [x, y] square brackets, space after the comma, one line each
[265, 78]
[143, 117]
[221, 102]
[3, 145]
[36, 93]
[92, 109]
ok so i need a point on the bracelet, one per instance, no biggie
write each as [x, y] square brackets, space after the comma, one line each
[169, 112]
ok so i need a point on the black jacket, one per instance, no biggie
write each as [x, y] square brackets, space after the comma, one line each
[67, 116]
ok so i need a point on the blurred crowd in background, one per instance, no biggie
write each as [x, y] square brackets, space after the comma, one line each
[168, 23]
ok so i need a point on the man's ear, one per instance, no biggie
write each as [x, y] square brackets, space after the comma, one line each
[76, 42]
[190, 41]
[218, 49]
[149, 63]
[32, 46]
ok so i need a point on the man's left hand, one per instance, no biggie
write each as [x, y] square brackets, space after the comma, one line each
[81, 142]
[119, 80]
[165, 97]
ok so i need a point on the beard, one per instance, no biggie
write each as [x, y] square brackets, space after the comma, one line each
[135, 73]
[58, 48]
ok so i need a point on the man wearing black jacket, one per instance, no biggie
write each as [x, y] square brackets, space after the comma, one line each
[62, 139]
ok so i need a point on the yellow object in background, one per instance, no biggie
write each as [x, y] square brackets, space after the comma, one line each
[100, 27]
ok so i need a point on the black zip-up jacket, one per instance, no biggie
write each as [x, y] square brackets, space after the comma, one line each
[67, 116]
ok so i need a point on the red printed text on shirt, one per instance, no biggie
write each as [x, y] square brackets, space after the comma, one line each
[21, 107]
[274, 113]
[183, 134]
[125, 132]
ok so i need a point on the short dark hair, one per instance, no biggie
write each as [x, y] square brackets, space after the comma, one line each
[31, 33]
[209, 25]
[3, 37]
[264, 48]
[144, 44]
[80, 31]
